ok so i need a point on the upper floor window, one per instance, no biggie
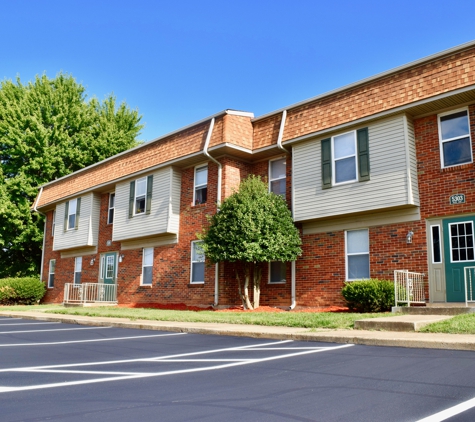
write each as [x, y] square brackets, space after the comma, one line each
[140, 199]
[71, 214]
[277, 176]
[454, 134]
[201, 185]
[77, 269]
[357, 254]
[345, 158]
[110, 214]
[51, 271]
[147, 266]
[197, 262]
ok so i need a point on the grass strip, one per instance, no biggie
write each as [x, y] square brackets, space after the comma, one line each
[460, 324]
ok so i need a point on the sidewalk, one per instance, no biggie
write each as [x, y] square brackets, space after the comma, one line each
[366, 337]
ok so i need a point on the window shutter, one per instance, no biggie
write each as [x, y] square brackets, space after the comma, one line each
[78, 210]
[326, 163]
[363, 154]
[66, 210]
[131, 199]
[148, 204]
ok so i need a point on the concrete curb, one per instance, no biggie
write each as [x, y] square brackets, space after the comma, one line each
[363, 337]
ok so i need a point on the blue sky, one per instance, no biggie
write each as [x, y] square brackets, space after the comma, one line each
[180, 61]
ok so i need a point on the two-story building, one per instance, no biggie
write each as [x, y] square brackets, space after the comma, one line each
[379, 176]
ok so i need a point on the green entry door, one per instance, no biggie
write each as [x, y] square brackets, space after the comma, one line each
[110, 267]
[459, 254]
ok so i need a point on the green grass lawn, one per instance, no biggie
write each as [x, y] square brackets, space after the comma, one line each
[318, 320]
[460, 324]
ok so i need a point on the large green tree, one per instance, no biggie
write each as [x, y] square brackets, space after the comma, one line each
[48, 129]
[253, 226]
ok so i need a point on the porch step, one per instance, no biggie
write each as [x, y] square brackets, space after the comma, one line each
[435, 309]
[399, 323]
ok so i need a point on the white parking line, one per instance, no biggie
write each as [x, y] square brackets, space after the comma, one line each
[30, 323]
[450, 412]
[88, 341]
[129, 376]
[44, 331]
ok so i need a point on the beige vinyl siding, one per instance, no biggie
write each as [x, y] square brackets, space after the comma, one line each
[87, 232]
[387, 187]
[164, 193]
[411, 147]
[174, 220]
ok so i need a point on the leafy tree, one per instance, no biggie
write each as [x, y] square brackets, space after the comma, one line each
[48, 130]
[252, 226]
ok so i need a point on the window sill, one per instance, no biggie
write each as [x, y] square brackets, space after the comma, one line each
[196, 284]
[198, 205]
[277, 282]
[455, 168]
[146, 285]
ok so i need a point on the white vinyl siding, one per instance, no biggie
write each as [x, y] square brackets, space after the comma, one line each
[87, 233]
[391, 148]
[164, 210]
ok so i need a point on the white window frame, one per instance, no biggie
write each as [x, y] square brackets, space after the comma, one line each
[53, 223]
[201, 186]
[146, 265]
[442, 141]
[355, 155]
[450, 241]
[144, 195]
[275, 179]
[193, 243]
[270, 273]
[102, 267]
[71, 201]
[111, 208]
[432, 243]
[52, 265]
[347, 254]
[77, 269]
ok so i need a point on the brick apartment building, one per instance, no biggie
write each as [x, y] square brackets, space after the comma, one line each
[379, 176]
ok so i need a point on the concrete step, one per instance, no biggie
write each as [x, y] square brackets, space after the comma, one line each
[399, 323]
[434, 309]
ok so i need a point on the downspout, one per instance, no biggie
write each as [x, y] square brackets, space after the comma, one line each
[218, 201]
[44, 232]
[293, 300]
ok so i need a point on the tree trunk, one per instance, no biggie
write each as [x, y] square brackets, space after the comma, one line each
[240, 291]
[257, 276]
[248, 304]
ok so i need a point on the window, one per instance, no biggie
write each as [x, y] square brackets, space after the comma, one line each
[436, 247]
[53, 224]
[277, 176]
[71, 214]
[277, 272]
[345, 158]
[197, 263]
[357, 254]
[140, 198]
[52, 268]
[201, 185]
[455, 143]
[147, 266]
[461, 242]
[110, 214]
[77, 269]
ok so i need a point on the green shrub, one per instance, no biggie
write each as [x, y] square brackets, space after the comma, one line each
[21, 291]
[369, 295]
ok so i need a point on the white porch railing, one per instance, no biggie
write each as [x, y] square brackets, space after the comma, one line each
[90, 293]
[408, 287]
[469, 279]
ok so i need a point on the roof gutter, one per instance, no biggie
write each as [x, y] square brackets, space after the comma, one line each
[218, 201]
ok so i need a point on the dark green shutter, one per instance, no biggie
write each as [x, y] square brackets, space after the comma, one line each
[78, 209]
[131, 199]
[326, 163]
[66, 209]
[148, 202]
[363, 154]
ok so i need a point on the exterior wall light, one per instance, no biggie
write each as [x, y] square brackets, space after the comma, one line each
[121, 257]
[91, 262]
[409, 236]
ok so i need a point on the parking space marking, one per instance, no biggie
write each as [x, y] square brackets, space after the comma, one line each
[450, 412]
[53, 343]
[114, 376]
[44, 331]
[29, 323]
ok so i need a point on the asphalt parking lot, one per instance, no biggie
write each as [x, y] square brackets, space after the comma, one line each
[52, 371]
